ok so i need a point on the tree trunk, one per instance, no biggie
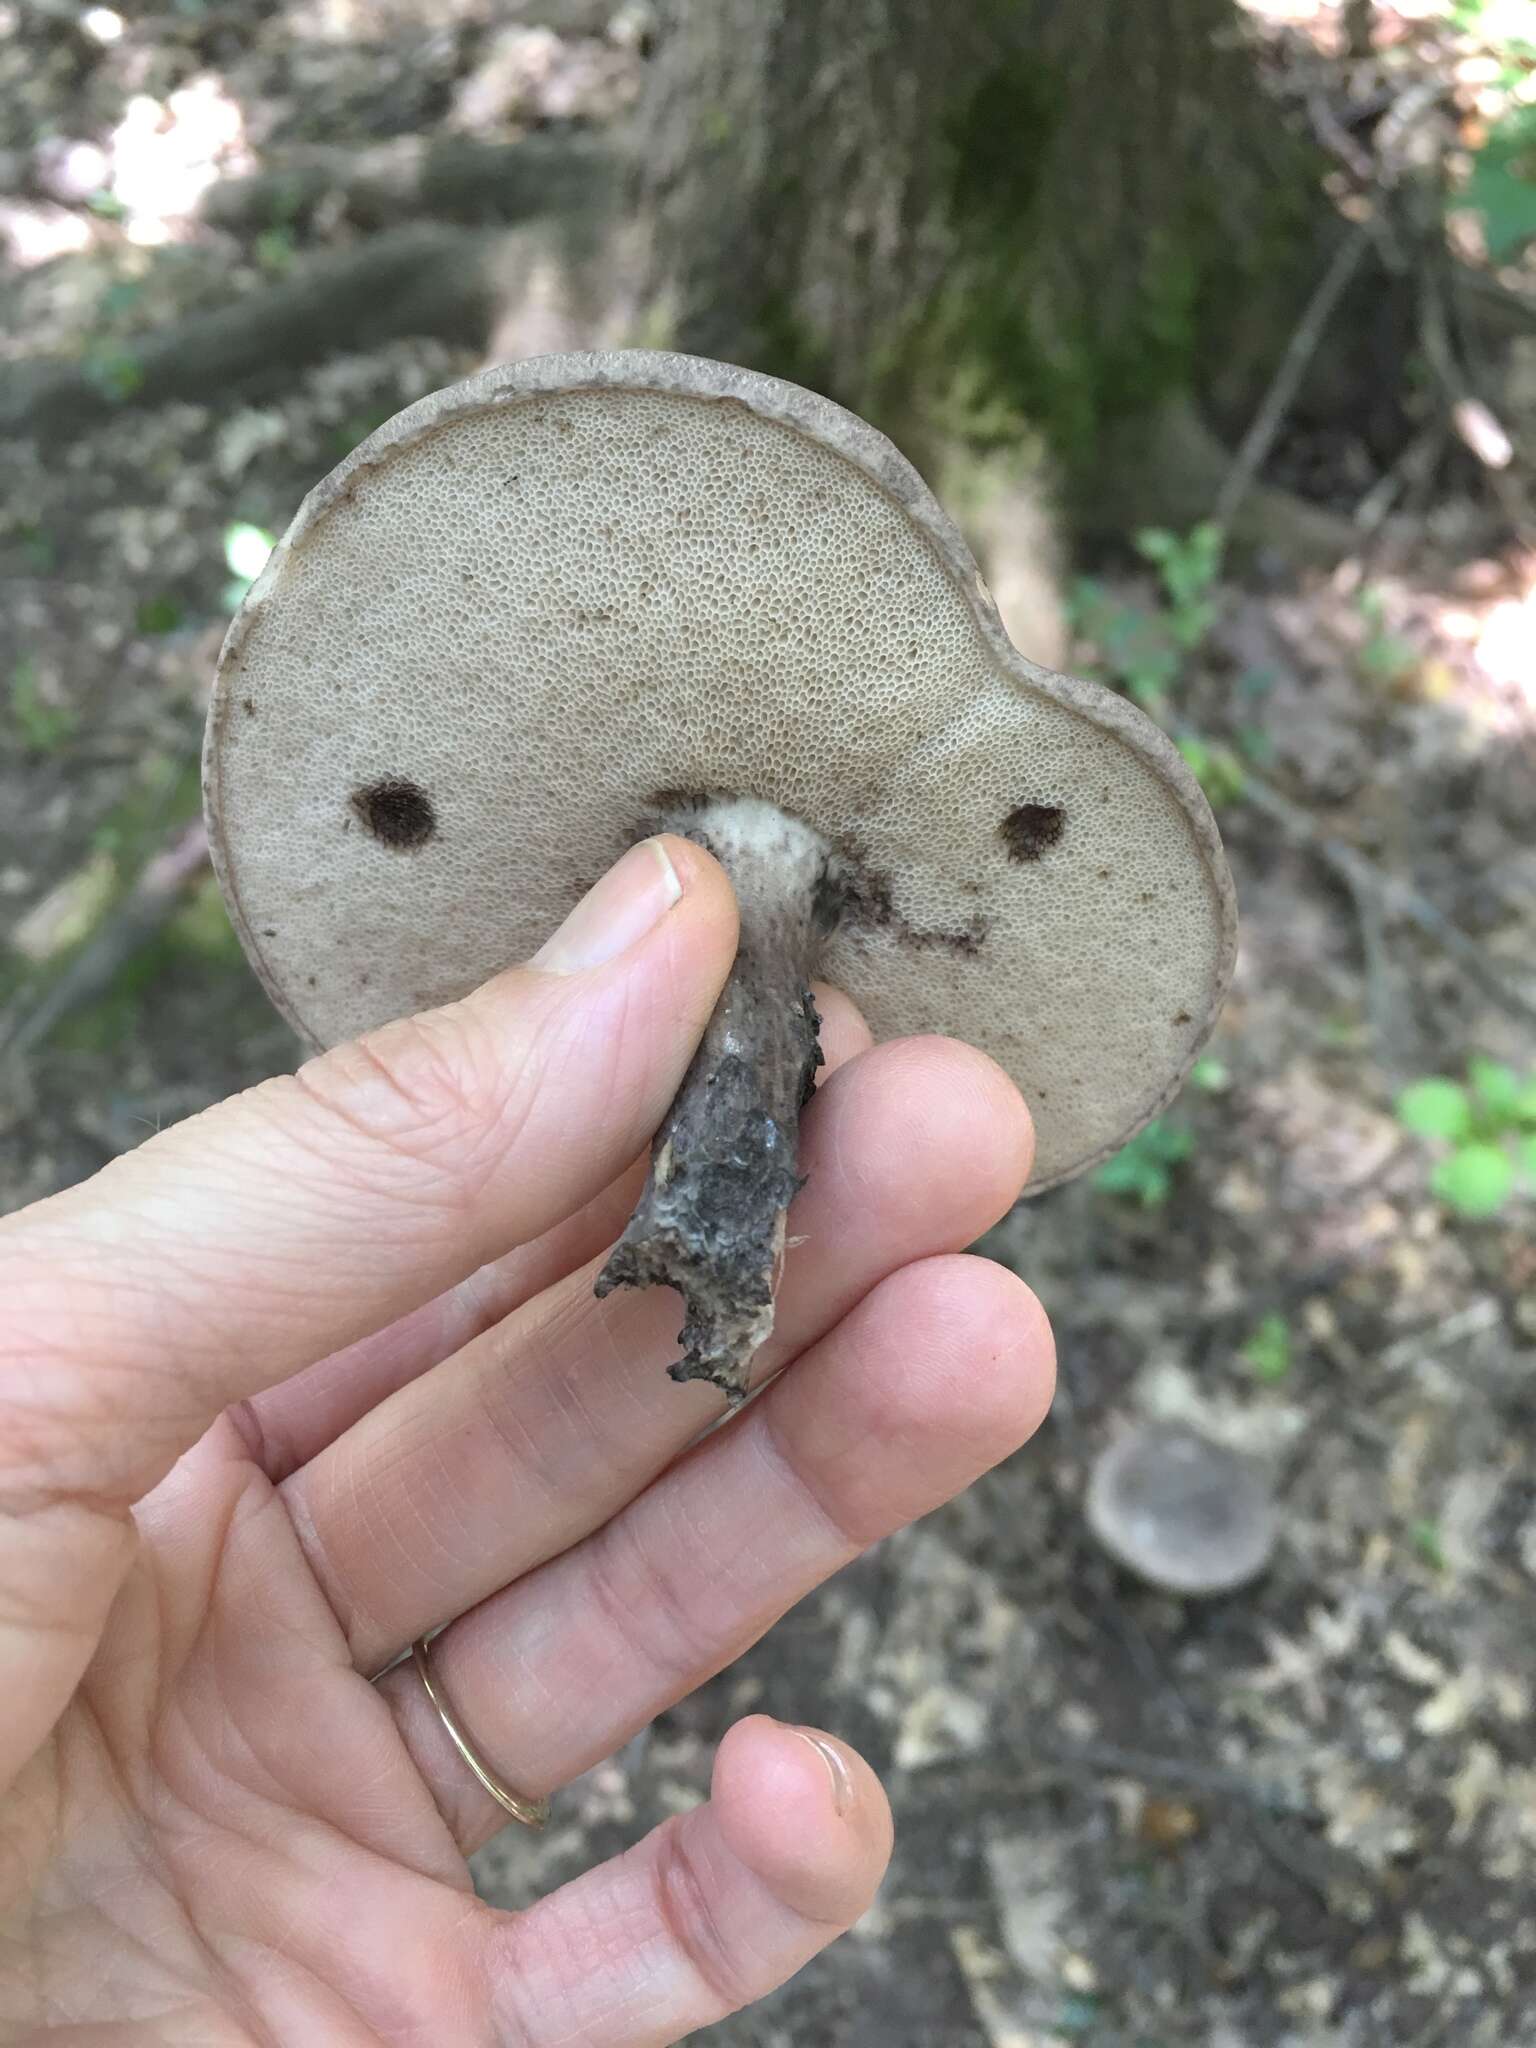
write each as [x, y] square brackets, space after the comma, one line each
[961, 219]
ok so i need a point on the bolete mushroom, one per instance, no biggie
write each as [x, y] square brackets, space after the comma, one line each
[577, 600]
[1187, 1515]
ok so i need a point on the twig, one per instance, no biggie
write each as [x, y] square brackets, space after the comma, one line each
[1470, 416]
[1412, 466]
[1285, 383]
[1358, 872]
[1371, 232]
[1382, 1008]
[140, 914]
[1154, 1769]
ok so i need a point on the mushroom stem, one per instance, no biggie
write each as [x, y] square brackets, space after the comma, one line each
[711, 1219]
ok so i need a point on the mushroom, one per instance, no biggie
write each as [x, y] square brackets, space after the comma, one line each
[1187, 1515]
[578, 600]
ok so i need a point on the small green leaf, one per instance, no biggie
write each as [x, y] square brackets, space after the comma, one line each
[1496, 1087]
[43, 724]
[1524, 1111]
[1426, 1540]
[1170, 1142]
[1267, 1352]
[275, 249]
[1211, 1074]
[1502, 185]
[1217, 770]
[114, 371]
[158, 615]
[37, 547]
[1436, 1108]
[1475, 1180]
[1141, 1169]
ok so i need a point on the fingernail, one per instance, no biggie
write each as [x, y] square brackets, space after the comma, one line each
[635, 894]
[837, 1770]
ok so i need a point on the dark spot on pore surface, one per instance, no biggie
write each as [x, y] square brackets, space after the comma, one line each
[248, 706]
[1183, 1018]
[1032, 830]
[663, 801]
[398, 813]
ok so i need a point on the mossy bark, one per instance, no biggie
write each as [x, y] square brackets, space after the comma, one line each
[958, 218]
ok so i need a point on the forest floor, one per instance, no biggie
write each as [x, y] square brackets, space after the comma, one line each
[1304, 1813]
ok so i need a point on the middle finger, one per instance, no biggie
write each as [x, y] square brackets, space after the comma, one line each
[539, 1431]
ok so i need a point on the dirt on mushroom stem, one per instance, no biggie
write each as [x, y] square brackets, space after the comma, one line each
[711, 1219]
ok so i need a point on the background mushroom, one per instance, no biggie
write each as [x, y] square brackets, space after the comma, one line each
[576, 600]
[1187, 1515]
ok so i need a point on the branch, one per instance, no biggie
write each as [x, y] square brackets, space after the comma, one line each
[414, 281]
[149, 904]
[1360, 874]
[1286, 382]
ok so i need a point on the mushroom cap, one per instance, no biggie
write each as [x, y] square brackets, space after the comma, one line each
[533, 607]
[1183, 1513]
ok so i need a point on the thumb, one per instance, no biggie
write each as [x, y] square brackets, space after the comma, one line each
[239, 1247]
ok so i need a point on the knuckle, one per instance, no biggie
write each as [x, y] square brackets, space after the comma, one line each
[650, 1609]
[685, 1906]
[429, 1091]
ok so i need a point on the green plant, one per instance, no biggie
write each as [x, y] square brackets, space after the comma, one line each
[1210, 1074]
[276, 248]
[1427, 1541]
[1267, 1352]
[1187, 567]
[1144, 650]
[1487, 1127]
[37, 547]
[165, 792]
[1142, 1171]
[160, 614]
[44, 725]
[1501, 186]
[1384, 655]
[1139, 655]
[1216, 768]
[202, 927]
[114, 370]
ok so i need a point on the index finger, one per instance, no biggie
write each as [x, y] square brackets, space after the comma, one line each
[236, 1248]
[239, 1247]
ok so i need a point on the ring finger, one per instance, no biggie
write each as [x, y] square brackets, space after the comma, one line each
[542, 1429]
[940, 1372]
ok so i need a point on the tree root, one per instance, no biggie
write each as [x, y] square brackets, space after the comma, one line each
[429, 281]
[452, 177]
[1169, 470]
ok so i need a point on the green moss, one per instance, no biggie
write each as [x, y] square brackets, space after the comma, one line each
[791, 345]
[1029, 328]
[202, 928]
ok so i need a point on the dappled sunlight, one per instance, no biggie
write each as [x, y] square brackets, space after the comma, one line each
[1505, 648]
[32, 234]
[103, 25]
[163, 156]
[1489, 670]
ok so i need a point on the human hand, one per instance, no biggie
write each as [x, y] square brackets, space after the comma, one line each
[216, 1826]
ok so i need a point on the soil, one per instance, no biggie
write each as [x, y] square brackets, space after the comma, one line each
[1304, 1813]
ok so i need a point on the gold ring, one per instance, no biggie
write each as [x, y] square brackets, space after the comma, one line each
[531, 1812]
